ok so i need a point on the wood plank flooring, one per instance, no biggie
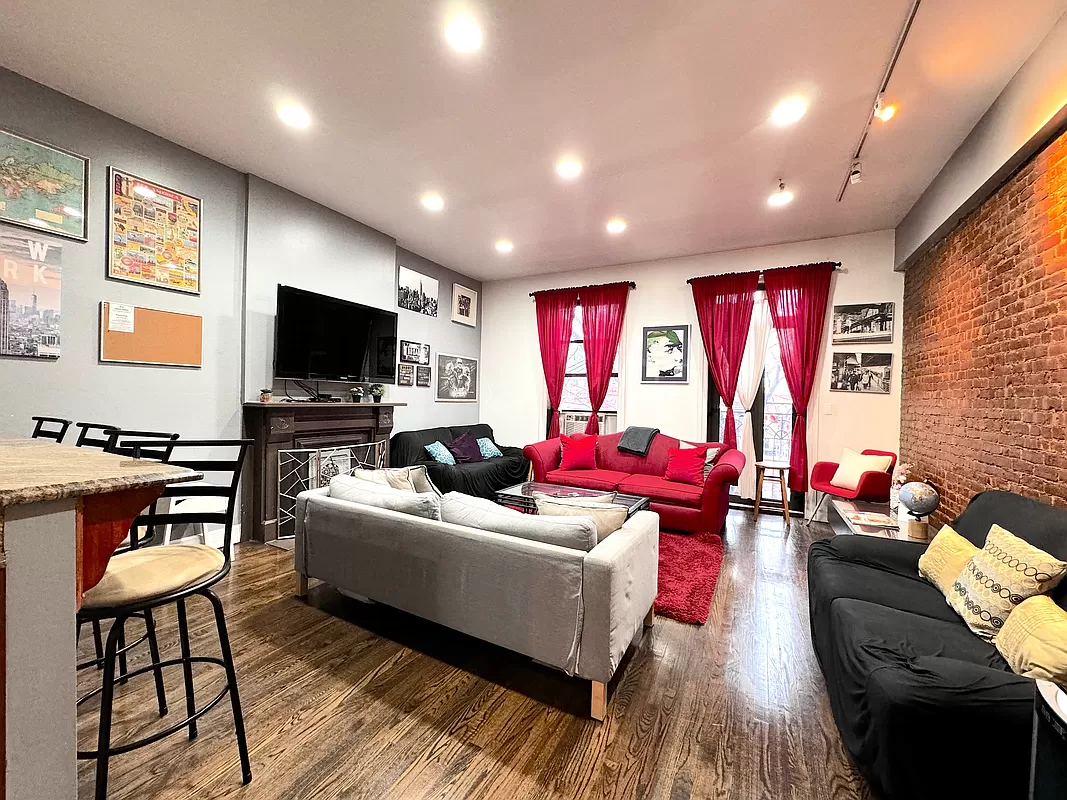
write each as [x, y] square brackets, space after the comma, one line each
[346, 700]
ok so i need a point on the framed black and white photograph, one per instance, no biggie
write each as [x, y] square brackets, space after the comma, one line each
[464, 305]
[457, 379]
[422, 376]
[666, 358]
[414, 353]
[863, 323]
[416, 292]
[869, 373]
[405, 374]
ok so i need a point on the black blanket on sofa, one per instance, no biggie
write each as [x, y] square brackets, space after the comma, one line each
[925, 708]
[480, 479]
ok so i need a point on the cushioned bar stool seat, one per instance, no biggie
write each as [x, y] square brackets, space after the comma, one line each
[150, 572]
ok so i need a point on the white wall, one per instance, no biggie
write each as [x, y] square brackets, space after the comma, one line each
[1033, 97]
[193, 402]
[513, 389]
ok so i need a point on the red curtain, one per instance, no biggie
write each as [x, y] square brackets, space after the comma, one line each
[555, 316]
[603, 308]
[797, 297]
[724, 310]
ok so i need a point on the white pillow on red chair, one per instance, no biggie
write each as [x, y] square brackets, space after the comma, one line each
[852, 467]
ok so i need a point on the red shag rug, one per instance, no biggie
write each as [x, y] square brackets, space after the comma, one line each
[689, 567]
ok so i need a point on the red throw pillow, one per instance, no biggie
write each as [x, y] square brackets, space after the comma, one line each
[686, 465]
[578, 453]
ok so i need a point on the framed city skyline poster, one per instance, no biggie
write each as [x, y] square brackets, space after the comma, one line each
[154, 234]
[30, 284]
[43, 187]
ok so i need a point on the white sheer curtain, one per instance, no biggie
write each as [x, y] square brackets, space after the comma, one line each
[747, 386]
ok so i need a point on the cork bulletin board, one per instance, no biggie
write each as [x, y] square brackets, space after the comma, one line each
[135, 335]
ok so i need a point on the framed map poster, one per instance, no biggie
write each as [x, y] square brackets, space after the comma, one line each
[43, 187]
[155, 234]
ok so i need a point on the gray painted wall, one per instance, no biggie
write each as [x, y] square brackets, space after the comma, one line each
[1031, 99]
[296, 242]
[194, 402]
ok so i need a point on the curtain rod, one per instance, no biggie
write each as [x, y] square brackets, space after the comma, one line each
[587, 286]
[836, 265]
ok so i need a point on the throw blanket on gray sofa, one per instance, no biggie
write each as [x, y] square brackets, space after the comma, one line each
[636, 441]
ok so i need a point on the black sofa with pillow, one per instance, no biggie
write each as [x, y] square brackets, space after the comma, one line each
[926, 708]
[480, 478]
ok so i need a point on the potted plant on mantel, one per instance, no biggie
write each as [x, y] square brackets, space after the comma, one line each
[356, 393]
[266, 395]
[377, 391]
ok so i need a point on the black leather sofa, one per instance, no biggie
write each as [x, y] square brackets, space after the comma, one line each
[925, 708]
[481, 479]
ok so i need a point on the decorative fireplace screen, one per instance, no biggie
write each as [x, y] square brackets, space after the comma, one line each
[300, 470]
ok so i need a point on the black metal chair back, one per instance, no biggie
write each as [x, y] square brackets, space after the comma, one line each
[54, 428]
[122, 442]
[93, 434]
[222, 474]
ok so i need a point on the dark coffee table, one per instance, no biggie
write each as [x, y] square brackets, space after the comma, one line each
[524, 496]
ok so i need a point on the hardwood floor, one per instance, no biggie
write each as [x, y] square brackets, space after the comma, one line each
[346, 700]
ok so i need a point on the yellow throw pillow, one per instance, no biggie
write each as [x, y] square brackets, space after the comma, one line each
[998, 578]
[1034, 640]
[945, 559]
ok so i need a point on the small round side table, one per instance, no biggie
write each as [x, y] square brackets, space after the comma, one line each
[1048, 759]
[782, 470]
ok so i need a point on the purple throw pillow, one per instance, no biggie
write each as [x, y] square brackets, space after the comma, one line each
[465, 449]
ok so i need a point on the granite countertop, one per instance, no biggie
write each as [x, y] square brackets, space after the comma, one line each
[34, 471]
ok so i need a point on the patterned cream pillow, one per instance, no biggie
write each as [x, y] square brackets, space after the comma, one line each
[998, 578]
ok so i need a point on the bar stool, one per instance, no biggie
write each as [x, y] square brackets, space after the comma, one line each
[782, 470]
[54, 428]
[150, 577]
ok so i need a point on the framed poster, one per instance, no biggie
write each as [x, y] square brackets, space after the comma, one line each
[155, 234]
[30, 283]
[666, 358]
[422, 376]
[43, 187]
[863, 323]
[457, 379]
[870, 373]
[416, 292]
[405, 374]
[414, 353]
[464, 305]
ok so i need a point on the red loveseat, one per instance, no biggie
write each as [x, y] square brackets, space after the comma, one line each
[681, 506]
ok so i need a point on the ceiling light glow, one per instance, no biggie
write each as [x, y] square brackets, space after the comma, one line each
[144, 191]
[789, 111]
[616, 226]
[569, 168]
[782, 197]
[504, 246]
[294, 115]
[464, 35]
[432, 201]
[885, 112]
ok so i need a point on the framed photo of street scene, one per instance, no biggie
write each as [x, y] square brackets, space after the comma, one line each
[863, 323]
[868, 373]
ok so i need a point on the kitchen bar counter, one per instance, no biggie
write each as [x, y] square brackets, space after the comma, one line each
[63, 511]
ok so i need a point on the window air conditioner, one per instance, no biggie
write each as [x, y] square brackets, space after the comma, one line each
[571, 422]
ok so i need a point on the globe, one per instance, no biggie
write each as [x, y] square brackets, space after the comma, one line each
[919, 498]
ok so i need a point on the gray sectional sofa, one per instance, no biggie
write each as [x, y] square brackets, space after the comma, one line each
[572, 608]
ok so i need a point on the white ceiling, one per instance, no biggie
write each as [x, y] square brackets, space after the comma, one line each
[665, 101]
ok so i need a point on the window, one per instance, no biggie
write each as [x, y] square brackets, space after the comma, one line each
[575, 384]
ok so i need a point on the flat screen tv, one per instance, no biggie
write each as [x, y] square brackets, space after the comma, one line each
[323, 338]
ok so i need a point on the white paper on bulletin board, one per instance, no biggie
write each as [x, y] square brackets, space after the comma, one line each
[120, 317]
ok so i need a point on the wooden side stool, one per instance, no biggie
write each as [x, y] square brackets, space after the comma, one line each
[782, 468]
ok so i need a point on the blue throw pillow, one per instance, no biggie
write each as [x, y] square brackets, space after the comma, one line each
[489, 450]
[441, 453]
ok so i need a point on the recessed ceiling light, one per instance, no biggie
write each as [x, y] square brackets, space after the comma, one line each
[294, 115]
[789, 111]
[504, 246]
[782, 197]
[432, 201]
[616, 226]
[885, 112]
[464, 35]
[144, 191]
[569, 168]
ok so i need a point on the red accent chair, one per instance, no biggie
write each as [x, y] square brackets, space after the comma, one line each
[681, 506]
[872, 488]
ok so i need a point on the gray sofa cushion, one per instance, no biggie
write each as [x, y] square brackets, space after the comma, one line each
[354, 490]
[578, 533]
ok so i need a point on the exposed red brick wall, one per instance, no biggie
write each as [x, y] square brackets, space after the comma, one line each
[985, 345]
